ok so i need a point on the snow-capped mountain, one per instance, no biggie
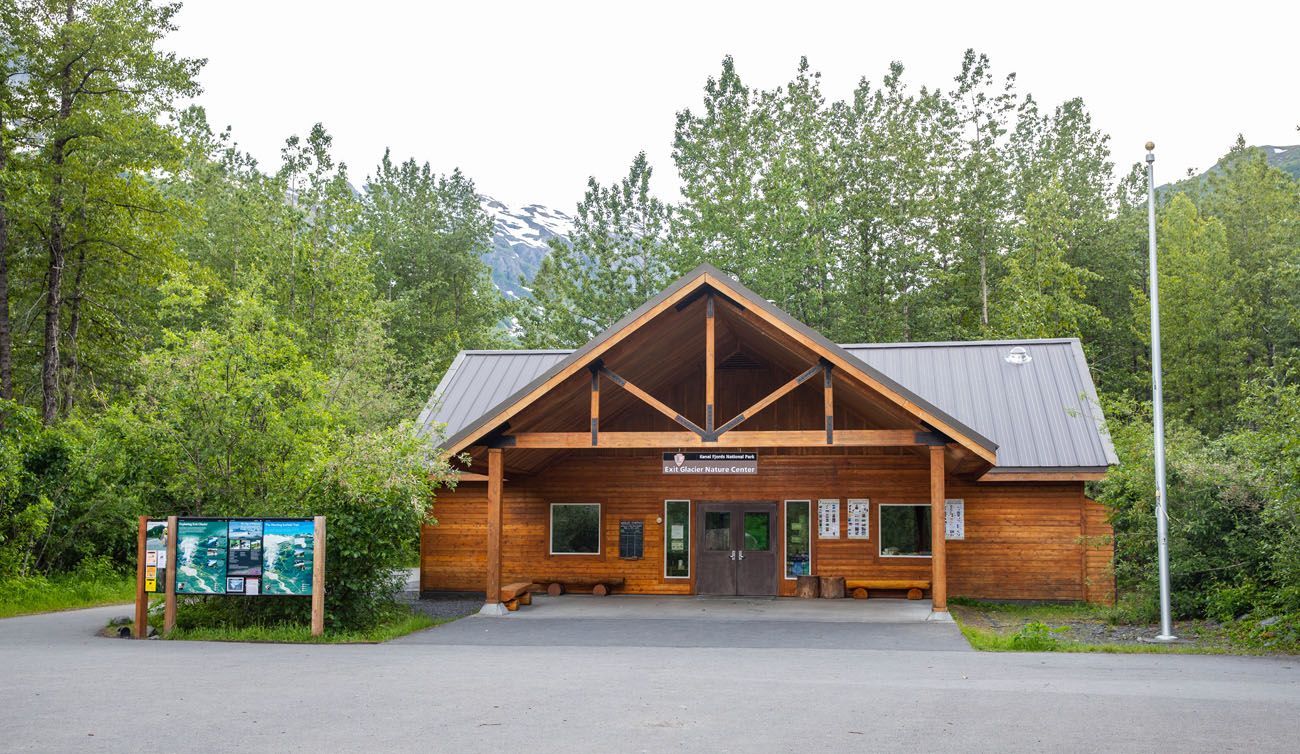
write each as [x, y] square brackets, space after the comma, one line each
[520, 241]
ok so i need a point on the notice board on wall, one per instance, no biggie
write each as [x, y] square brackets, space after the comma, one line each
[631, 539]
[828, 519]
[860, 519]
[954, 519]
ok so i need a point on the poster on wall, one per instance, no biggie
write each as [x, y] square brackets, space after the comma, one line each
[201, 556]
[954, 519]
[155, 557]
[828, 519]
[860, 519]
[288, 551]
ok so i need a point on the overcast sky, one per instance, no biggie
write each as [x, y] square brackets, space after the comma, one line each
[530, 98]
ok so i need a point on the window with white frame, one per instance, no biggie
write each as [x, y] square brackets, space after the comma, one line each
[904, 530]
[798, 538]
[575, 528]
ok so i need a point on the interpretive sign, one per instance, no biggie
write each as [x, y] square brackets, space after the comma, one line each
[155, 557]
[828, 519]
[954, 519]
[244, 556]
[710, 463]
[230, 556]
[860, 519]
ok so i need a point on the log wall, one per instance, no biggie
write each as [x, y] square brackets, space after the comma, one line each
[1024, 540]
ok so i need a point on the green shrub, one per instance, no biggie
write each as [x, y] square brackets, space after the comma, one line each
[1037, 636]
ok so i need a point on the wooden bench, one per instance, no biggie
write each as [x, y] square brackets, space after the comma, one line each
[598, 587]
[514, 595]
[860, 587]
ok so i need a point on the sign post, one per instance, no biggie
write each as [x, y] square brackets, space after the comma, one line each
[318, 579]
[141, 597]
[169, 604]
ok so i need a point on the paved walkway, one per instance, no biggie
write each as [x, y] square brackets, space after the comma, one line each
[644, 621]
[66, 690]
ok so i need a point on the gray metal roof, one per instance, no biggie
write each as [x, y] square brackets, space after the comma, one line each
[1042, 415]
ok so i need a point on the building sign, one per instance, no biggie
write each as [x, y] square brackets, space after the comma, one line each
[244, 556]
[710, 462]
[954, 519]
[828, 519]
[155, 557]
[860, 519]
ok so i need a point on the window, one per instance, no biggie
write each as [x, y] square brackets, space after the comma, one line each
[575, 528]
[798, 523]
[677, 539]
[904, 531]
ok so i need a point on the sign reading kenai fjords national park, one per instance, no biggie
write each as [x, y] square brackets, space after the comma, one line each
[245, 556]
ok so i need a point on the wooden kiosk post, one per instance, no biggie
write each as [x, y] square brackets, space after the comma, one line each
[318, 578]
[938, 556]
[141, 597]
[169, 589]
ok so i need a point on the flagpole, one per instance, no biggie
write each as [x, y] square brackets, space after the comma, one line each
[1158, 408]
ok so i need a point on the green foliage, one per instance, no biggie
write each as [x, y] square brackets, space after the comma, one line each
[198, 621]
[1037, 636]
[96, 581]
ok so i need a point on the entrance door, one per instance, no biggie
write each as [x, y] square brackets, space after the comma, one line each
[736, 549]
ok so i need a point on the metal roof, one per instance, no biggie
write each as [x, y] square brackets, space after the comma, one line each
[1042, 414]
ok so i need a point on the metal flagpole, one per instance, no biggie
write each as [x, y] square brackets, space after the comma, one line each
[1158, 408]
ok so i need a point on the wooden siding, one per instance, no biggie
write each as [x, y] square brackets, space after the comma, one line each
[1024, 540]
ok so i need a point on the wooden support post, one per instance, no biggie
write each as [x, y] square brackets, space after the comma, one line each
[828, 398]
[938, 557]
[493, 604]
[709, 364]
[141, 597]
[169, 587]
[595, 405]
[318, 579]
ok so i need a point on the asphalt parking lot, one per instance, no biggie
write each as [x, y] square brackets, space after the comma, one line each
[663, 686]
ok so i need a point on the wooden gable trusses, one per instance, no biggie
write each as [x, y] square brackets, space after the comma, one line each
[721, 435]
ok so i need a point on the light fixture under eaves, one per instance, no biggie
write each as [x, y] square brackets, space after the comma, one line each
[1019, 356]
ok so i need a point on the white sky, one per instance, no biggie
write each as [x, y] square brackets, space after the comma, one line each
[530, 98]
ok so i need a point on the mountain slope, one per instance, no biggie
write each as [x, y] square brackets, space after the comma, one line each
[521, 242]
[1286, 159]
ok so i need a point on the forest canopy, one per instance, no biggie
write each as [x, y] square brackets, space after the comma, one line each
[183, 330]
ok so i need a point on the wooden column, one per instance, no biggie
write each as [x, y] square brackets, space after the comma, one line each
[828, 398]
[169, 587]
[318, 577]
[495, 474]
[141, 597]
[595, 405]
[938, 557]
[709, 364]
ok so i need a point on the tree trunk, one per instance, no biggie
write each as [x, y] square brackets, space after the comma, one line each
[6, 331]
[832, 587]
[984, 289]
[807, 587]
[74, 325]
[54, 279]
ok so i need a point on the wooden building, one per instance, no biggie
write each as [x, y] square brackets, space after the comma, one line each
[709, 443]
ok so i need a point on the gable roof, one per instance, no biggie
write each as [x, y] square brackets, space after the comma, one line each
[1043, 415]
[708, 277]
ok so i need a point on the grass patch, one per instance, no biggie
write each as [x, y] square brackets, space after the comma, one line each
[400, 622]
[985, 640]
[44, 594]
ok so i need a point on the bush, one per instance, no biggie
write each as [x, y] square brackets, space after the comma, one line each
[1037, 636]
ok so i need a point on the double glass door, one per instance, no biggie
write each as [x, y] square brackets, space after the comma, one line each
[736, 549]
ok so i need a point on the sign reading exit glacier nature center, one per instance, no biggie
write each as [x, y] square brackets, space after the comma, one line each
[710, 463]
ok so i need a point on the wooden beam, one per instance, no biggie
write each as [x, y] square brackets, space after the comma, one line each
[709, 362]
[653, 402]
[734, 439]
[141, 626]
[169, 584]
[495, 475]
[595, 404]
[769, 399]
[938, 555]
[318, 576]
[828, 398]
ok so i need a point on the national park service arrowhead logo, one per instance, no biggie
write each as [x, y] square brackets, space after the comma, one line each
[679, 459]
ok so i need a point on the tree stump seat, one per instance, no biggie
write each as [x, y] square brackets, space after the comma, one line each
[514, 595]
[599, 587]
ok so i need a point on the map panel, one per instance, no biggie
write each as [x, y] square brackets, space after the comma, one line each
[288, 554]
[201, 556]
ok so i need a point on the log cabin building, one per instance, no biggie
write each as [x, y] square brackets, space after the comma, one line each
[710, 444]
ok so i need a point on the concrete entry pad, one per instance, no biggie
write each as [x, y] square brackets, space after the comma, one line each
[646, 621]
